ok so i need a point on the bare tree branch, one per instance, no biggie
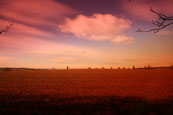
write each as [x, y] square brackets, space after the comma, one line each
[6, 29]
[162, 22]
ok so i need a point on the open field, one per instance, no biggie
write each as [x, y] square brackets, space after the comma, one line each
[87, 91]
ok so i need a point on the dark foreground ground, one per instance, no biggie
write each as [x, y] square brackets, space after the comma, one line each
[84, 105]
[88, 92]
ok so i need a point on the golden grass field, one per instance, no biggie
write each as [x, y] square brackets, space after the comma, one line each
[51, 85]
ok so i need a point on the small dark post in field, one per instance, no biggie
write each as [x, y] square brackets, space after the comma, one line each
[67, 67]
[149, 67]
[133, 67]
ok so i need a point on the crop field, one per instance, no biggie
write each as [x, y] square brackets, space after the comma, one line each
[86, 91]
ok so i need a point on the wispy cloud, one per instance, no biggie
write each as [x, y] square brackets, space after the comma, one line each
[98, 27]
[34, 27]
[34, 11]
[40, 14]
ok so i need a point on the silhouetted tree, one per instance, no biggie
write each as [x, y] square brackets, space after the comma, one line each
[6, 29]
[162, 22]
[149, 67]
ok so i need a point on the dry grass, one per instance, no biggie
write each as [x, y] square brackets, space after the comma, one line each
[81, 87]
[149, 84]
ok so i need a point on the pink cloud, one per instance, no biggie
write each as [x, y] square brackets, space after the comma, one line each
[123, 39]
[34, 11]
[141, 8]
[97, 27]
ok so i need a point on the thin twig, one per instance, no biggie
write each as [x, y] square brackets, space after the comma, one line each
[161, 23]
[6, 29]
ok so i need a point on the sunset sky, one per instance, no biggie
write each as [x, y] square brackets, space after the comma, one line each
[84, 33]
